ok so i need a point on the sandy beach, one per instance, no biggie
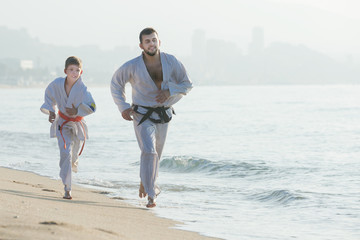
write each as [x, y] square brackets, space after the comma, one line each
[32, 208]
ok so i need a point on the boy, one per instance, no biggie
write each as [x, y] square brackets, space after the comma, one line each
[73, 102]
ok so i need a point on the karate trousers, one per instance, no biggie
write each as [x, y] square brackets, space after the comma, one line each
[151, 139]
[69, 156]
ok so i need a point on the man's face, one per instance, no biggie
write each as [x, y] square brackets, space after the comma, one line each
[150, 44]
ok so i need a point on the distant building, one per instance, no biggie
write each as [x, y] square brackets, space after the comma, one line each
[199, 45]
[26, 64]
[257, 43]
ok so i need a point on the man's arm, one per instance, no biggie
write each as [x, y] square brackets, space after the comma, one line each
[162, 96]
[118, 82]
[179, 83]
[126, 114]
[182, 83]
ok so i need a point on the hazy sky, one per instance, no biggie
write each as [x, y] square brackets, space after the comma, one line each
[330, 26]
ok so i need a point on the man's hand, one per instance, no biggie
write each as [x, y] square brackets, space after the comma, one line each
[126, 114]
[162, 96]
[52, 116]
[72, 111]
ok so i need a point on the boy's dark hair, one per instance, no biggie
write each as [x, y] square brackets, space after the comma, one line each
[73, 61]
[147, 31]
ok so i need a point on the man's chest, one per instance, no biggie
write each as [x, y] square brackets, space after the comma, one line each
[156, 74]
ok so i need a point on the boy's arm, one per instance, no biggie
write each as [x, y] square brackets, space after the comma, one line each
[52, 117]
[87, 107]
[49, 101]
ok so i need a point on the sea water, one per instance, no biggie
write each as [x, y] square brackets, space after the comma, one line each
[240, 162]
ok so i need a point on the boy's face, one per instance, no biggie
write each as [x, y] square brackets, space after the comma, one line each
[150, 44]
[73, 72]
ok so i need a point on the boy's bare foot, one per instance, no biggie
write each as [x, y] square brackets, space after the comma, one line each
[142, 192]
[67, 195]
[74, 166]
[151, 203]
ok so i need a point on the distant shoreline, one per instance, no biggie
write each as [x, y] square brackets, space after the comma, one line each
[43, 86]
[2, 86]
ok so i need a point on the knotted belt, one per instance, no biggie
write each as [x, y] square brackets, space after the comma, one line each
[69, 119]
[161, 111]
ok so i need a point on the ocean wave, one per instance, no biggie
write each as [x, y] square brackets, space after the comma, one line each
[13, 141]
[188, 164]
[282, 197]
[180, 188]
[21, 135]
[96, 182]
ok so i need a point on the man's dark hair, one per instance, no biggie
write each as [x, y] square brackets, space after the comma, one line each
[73, 61]
[147, 31]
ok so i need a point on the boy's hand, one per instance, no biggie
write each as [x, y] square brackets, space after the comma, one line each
[52, 117]
[162, 96]
[126, 114]
[72, 111]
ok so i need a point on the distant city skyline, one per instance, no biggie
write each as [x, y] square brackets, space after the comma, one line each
[27, 61]
[330, 26]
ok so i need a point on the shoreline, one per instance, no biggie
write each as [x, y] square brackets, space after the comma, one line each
[105, 85]
[32, 207]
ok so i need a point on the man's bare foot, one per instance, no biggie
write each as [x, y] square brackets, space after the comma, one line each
[151, 203]
[157, 190]
[142, 192]
[67, 195]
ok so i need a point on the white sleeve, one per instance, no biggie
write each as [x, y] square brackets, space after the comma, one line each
[49, 100]
[117, 87]
[87, 106]
[180, 82]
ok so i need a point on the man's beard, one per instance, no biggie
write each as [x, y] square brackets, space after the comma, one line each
[151, 53]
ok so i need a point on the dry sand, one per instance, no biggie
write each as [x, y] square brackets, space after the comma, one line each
[32, 207]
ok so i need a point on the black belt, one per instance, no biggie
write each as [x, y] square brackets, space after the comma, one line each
[161, 111]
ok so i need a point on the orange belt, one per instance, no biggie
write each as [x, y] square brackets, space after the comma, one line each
[69, 119]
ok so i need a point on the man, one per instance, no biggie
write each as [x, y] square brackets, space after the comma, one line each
[158, 81]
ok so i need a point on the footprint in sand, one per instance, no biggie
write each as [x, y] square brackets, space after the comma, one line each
[29, 184]
[48, 190]
[49, 223]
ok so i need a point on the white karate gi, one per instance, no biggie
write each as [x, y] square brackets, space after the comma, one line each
[73, 132]
[150, 136]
